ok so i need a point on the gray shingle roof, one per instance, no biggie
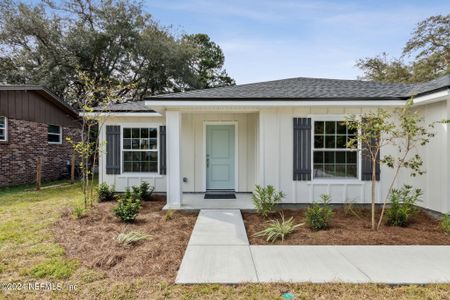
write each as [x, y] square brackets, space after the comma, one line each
[134, 106]
[433, 85]
[312, 88]
[300, 88]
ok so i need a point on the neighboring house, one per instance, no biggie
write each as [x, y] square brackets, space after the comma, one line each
[34, 123]
[286, 133]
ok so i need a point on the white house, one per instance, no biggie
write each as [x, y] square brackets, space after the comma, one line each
[285, 133]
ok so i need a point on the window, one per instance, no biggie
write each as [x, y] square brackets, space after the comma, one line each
[3, 129]
[140, 150]
[54, 134]
[331, 157]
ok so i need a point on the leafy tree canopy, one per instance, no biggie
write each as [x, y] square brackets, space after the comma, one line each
[111, 41]
[428, 50]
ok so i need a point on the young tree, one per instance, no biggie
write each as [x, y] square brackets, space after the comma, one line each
[403, 130]
[95, 97]
[374, 130]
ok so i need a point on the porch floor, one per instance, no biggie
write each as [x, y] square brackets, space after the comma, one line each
[196, 201]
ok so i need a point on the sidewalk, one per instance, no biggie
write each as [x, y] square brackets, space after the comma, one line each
[219, 252]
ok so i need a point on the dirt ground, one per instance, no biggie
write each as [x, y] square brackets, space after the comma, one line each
[349, 229]
[91, 240]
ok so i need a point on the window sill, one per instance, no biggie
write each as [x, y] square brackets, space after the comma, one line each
[336, 181]
[141, 174]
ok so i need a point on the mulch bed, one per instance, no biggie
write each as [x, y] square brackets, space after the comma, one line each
[91, 240]
[348, 229]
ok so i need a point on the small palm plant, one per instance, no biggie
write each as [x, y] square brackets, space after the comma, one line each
[278, 229]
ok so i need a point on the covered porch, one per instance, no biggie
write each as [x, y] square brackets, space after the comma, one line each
[210, 151]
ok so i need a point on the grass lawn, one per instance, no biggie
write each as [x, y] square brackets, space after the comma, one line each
[29, 253]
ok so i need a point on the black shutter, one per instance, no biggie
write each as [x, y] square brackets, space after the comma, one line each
[112, 149]
[302, 149]
[366, 164]
[162, 150]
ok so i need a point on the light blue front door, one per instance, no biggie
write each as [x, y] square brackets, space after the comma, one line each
[220, 157]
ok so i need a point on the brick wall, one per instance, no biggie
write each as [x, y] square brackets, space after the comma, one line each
[26, 142]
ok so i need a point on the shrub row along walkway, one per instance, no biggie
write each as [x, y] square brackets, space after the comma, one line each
[219, 252]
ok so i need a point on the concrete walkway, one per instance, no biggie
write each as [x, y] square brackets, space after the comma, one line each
[219, 252]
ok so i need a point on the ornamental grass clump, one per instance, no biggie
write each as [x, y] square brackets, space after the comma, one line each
[131, 238]
[402, 207]
[278, 229]
[79, 212]
[319, 215]
[265, 199]
[445, 224]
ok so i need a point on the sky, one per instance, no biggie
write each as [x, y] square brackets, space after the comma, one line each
[275, 39]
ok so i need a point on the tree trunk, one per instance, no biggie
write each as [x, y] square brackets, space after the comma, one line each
[374, 182]
[387, 196]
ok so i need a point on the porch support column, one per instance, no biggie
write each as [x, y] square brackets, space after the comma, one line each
[173, 128]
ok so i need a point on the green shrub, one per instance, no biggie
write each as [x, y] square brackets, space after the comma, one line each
[278, 229]
[136, 192]
[402, 209]
[127, 209]
[318, 215]
[79, 211]
[131, 238]
[265, 199]
[146, 190]
[445, 224]
[127, 194]
[142, 192]
[105, 193]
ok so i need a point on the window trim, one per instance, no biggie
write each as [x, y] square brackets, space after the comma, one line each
[5, 139]
[335, 118]
[122, 127]
[60, 134]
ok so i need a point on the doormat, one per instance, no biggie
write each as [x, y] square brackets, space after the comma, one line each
[220, 196]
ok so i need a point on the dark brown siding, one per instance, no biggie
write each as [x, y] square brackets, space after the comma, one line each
[32, 106]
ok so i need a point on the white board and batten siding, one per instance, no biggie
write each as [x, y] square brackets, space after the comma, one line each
[123, 180]
[265, 155]
[276, 159]
[192, 149]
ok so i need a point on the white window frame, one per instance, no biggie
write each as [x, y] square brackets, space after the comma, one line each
[5, 129]
[58, 134]
[122, 150]
[334, 118]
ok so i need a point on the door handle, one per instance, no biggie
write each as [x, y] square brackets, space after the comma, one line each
[207, 162]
